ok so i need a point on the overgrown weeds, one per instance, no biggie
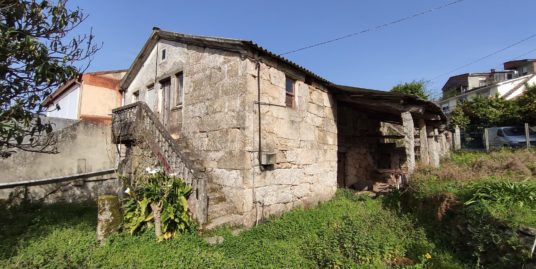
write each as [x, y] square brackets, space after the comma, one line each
[350, 231]
[476, 203]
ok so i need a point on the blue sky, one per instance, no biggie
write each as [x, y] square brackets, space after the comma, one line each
[421, 48]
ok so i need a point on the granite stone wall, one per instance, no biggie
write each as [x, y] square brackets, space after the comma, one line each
[358, 144]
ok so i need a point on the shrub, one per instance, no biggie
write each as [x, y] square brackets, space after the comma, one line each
[376, 237]
[160, 200]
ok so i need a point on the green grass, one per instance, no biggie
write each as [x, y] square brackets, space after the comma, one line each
[475, 203]
[395, 231]
[346, 232]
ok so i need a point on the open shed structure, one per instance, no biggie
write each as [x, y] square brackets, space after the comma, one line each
[256, 134]
[382, 134]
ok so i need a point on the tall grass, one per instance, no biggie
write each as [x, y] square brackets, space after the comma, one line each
[349, 231]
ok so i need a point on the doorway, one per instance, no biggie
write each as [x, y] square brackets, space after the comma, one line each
[165, 102]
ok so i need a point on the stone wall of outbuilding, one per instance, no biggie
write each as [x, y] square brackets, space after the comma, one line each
[358, 146]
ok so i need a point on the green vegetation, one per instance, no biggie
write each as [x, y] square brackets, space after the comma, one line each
[476, 203]
[349, 232]
[463, 215]
[415, 88]
[39, 52]
[496, 111]
[160, 201]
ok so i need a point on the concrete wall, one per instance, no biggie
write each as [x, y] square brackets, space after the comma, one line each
[100, 94]
[514, 88]
[475, 81]
[76, 190]
[82, 147]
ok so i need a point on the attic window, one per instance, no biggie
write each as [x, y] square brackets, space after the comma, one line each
[136, 96]
[163, 54]
[289, 91]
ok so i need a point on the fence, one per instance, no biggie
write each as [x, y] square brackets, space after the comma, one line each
[485, 139]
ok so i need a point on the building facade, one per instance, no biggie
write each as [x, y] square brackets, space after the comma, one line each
[254, 133]
[508, 84]
[90, 97]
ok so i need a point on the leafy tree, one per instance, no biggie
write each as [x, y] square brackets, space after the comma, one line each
[459, 118]
[481, 112]
[38, 53]
[527, 104]
[415, 88]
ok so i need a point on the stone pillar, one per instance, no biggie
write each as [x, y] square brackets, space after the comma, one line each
[448, 137]
[423, 137]
[457, 138]
[409, 140]
[433, 146]
[442, 145]
[109, 218]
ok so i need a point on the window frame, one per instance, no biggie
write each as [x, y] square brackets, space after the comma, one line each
[135, 96]
[292, 94]
[178, 93]
[163, 55]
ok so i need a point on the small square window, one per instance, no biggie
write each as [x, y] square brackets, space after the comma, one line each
[136, 96]
[289, 91]
[163, 54]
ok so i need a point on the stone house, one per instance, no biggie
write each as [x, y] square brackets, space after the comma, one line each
[256, 134]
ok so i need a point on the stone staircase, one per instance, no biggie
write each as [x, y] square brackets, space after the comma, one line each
[136, 124]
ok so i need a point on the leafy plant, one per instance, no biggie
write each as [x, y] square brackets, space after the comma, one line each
[158, 200]
[504, 192]
[39, 52]
[415, 88]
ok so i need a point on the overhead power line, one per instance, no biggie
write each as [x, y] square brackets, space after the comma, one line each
[376, 28]
[518, 57]
[487, 56]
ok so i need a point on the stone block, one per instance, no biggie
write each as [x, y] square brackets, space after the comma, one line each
[316, 109]
[234, 160]
[307, 131]
[274, 194]
[277, 78]
[316, 97]
[226, 177]
[109, 216]
[301, 190]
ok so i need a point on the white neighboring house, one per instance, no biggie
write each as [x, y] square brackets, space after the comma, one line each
[67, 103]
[89, 97]
[510, 87]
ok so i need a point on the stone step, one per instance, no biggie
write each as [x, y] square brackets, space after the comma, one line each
[219, 210]
[228, 220]
[214, 188]
[215, 198]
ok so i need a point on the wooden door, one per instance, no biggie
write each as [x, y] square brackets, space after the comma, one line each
[165, 103]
